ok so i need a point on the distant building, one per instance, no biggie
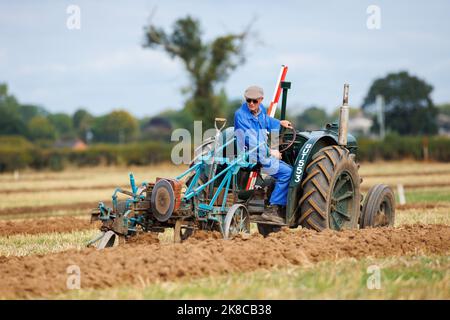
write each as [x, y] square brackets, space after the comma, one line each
[156, 128]
[443, 121]
[74, 144]
[360, 125]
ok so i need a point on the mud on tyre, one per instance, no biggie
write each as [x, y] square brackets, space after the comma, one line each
[331, 195]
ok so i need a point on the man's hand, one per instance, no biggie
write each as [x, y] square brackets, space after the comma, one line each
[286, 124]
[275, 153]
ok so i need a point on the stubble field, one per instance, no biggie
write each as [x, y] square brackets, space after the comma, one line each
[44, 227]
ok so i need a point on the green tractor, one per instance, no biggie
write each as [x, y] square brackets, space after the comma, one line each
[226, 192]
[324, 191]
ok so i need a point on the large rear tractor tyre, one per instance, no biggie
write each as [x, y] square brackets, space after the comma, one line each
[379, 207]
[331, 195]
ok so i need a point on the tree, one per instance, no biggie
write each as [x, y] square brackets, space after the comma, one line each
[178, 119]
[207, 63]
[118, 127]
[10, 119]
[63, 125]
[444, 109]
[29, 111]
[82, 122]
[352, 112]
[408, 106]
[40, 128]
[312, 118]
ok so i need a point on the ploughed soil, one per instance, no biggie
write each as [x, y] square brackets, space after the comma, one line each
[45, 225]
[204, 255]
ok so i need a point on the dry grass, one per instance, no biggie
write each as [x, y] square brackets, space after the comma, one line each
[23, 245]
[425, 216]
[86, 177]
[402, 167]
[49, 214]
[411, 180]
[18, 199]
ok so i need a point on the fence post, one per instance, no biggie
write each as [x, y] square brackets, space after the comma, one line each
[401, 194]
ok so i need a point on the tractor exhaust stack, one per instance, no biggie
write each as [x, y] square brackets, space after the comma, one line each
[343, 118]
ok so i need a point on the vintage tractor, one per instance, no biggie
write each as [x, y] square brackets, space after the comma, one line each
[224, 191]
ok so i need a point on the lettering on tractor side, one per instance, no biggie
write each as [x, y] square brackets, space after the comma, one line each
[301, 163]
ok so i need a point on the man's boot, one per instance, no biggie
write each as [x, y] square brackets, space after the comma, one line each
[273, 214]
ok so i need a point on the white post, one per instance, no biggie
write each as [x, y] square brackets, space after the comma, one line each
[380, 114]
[401, 194]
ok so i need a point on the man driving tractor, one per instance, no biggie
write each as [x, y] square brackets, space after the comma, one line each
[252, 126]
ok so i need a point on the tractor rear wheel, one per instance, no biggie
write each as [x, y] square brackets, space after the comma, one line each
[331, 195]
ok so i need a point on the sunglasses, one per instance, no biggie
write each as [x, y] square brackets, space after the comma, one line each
[255, 101]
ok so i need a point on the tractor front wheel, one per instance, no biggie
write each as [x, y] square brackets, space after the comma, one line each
[379, 207]
[331, 195]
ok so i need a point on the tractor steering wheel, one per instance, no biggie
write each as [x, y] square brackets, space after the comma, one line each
[286, 144]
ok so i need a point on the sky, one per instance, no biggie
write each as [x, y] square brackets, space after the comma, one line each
[102, 66]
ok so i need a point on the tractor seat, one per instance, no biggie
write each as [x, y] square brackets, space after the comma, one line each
[244, 173]
[261, 182]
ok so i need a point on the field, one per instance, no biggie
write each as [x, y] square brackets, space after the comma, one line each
[44, 227]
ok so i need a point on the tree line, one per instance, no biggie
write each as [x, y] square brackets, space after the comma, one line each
[43, 127]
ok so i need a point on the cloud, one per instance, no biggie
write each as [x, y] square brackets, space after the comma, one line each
[303, 60]
[3, 56]
[131, 59]
[46, 68]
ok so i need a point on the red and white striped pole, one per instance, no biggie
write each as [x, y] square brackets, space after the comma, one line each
[277, 93]
[251, 180]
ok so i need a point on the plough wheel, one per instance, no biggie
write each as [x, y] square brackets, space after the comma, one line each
[182, 231]
[237, 221]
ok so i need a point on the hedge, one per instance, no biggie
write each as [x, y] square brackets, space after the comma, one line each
[18, 157]
[396, 147]
[17, 153]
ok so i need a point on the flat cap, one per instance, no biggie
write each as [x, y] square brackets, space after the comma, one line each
[254, 92]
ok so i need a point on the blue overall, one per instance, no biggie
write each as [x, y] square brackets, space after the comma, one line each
[250, 130]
